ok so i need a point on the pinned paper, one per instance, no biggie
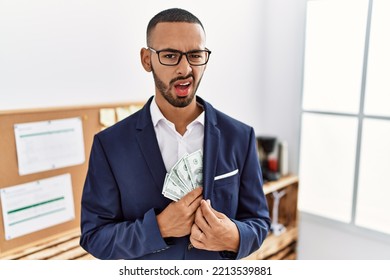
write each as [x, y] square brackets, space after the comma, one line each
[122, 112]
[107, 117]
[48, 145]
[110, 116]
[37, 205]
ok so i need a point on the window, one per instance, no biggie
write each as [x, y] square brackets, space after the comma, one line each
[334, 55]
[377, 99]
[345, 124]
[327, 160]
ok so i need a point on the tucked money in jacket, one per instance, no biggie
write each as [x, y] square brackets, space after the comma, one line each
[123, 189]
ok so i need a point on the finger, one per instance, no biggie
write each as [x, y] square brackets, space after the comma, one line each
[190, 197]
[198, 245]
[200, 221]
[209, 214]
[218, 214]
[197, 237]
[195, 204]
[196, 232]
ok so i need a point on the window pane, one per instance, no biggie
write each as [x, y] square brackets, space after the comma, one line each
[334, 52]
[327, 165]
[377, 100]
[373, 206]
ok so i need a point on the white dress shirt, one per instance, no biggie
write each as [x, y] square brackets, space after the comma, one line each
[172, 144]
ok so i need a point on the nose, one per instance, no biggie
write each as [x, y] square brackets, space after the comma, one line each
[183, 68]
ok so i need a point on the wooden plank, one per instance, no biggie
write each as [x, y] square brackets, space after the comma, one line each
[43, 244]
[282, 254]
[86, 257]
[292, 256]
[273, 244]
[63, 248]
[53, 251]
[71, 254]
[283, 182]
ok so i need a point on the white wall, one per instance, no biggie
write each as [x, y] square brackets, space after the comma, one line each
[59, 53]
[282, 73]
[56, 53]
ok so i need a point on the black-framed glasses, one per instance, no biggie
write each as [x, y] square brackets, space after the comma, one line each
[171, 57]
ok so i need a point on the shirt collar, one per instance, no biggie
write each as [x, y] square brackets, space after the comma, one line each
[155, 113]
[157, 116]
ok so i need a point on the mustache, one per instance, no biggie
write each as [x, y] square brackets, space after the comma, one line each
[181, 78]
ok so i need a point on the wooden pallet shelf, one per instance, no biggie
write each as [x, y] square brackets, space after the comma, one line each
[65, 247]
[284, 245]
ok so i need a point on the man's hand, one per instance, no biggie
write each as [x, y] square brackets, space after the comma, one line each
[213, 230]
[178, 217]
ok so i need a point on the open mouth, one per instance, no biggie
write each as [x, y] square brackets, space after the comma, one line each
[182, 88]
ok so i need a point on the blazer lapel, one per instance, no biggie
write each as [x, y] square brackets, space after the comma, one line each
[210, 149]
[147, 142]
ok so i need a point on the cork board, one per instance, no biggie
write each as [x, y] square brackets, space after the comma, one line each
[9, 175]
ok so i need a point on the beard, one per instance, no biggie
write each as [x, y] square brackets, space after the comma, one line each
[166, 90]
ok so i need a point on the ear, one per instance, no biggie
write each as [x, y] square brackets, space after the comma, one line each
[146, 59]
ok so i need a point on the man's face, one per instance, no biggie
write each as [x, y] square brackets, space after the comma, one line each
[177, 84]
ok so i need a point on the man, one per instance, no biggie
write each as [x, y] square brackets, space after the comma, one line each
[124, 213]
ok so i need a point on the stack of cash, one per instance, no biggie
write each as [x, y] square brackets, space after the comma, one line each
[185, 175]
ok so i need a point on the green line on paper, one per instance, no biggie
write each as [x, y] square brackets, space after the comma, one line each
[37, 216]
[47, 133]
[36, 205]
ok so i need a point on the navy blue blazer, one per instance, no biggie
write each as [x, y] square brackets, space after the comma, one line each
[122, 191]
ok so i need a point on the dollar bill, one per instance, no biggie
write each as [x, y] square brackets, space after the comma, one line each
[194, 164]
[173, 191]
[178, 182]
[182, 172]
[185, 175]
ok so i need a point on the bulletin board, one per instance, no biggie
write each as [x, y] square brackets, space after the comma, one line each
[9, 175]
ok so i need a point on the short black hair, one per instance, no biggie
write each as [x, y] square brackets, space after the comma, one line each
[171, 15]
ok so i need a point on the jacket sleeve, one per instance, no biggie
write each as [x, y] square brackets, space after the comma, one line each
[104, 232]
[252, 217]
